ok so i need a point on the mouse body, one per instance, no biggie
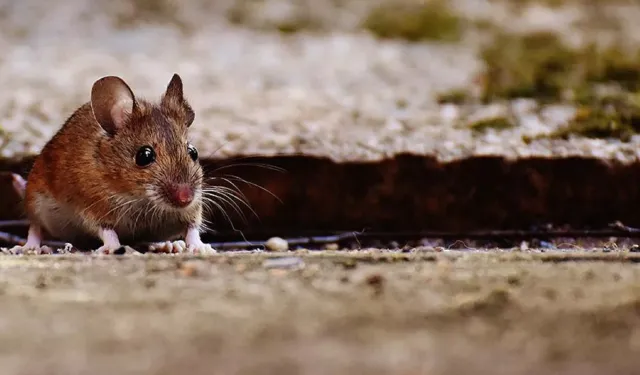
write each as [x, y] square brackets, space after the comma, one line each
[121, 169]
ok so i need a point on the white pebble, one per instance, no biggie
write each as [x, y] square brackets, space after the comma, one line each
[277, 244]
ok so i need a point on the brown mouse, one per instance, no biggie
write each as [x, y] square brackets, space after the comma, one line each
[120, 169]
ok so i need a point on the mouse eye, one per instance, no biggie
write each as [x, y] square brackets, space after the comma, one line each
[145, 156]
[193, 152]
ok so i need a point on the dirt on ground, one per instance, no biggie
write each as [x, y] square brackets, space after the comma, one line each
[328, 312]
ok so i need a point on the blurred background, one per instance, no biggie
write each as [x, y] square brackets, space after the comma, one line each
[356, 80]
[348, 79]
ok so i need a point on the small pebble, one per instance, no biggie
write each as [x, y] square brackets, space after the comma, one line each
[45, 250]
[278, 272]
[41, 282]
[277, 244]
[68, 248]
[149, 283]
[189, 269]
[449, 112]
[376, 281]
[424, 249]
[241, 267]
[283, 263]
[349, 264]
[331, 246]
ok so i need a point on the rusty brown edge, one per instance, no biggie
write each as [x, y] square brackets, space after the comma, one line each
[411, 192]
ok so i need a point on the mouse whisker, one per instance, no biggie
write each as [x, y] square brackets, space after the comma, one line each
[116, 207]
[212, 153]
[196, 174]
[225, 198]
[204, 226]
[234, 186]
[240, 179]
[258, 165]
[144, 210]
[207, 207]
[220, 208]
[233, 228]
[104, 198]
[124, 213]
[151, 210]
[232, 194]
[155, 213]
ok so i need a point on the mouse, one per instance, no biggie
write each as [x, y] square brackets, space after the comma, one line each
[120, 170]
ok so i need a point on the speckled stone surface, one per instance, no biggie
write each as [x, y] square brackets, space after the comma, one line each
[336, 92]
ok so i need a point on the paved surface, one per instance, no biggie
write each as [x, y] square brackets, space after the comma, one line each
[375, 313]
[335, 92]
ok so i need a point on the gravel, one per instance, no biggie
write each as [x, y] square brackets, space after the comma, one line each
[337, 93]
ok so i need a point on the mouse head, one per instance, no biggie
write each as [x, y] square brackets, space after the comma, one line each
[145, 148]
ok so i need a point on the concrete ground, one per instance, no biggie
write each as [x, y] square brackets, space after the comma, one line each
[333, 312]
[330, 90]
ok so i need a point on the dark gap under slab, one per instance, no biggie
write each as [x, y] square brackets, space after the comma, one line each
[411, 192]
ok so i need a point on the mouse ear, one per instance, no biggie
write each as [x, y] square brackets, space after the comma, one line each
[174, 98]
[112, 101]
[174, 90]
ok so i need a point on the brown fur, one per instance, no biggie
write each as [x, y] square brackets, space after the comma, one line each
[84, 173]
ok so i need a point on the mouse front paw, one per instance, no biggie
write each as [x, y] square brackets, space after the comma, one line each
[29, 249]
[168, 247]
[111, 249]
[195, 244]
[201, 248]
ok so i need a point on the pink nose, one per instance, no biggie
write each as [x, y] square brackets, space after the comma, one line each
[181, 194]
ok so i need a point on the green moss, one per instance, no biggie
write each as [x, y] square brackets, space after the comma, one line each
[457, 96]
[428, 20]
[497, 123]
[613, 64]
[297, 24]
[559, 3]
[484, 25]
[402, 103]
[541, 66]
[535, 65]
[288, 27]
[608, 117]
[249, 13]
[518, 4]
[151, 11]
[239, 13]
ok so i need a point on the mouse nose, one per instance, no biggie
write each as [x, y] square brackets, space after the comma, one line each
[181, 194]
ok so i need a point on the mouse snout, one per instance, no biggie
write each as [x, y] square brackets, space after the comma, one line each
[180, 195]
